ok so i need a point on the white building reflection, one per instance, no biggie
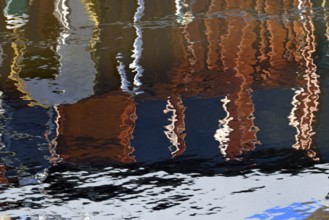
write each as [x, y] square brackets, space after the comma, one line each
[77, 73]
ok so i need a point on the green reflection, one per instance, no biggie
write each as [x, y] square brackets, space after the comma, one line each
[16, 7]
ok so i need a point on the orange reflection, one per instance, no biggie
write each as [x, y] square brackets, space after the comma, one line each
[98, 129]
[237, 132]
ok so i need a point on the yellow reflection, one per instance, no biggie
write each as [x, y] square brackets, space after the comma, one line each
[175, 131]
[16, 19]
[19, 47]
[95, 37]
[306, 99]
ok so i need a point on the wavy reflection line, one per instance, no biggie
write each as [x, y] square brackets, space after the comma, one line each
[62, 12]
[212, 31]
[19, 47]
[222, 134]
[175, 131]
[123, 75]
[277, 35]
[263, 58]
[244, 68]
[128, 121]
[239, 57]
[306, 100]
[189, 29]
[138, 47]
[53, 126]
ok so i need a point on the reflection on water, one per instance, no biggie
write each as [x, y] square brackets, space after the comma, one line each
[131, 109]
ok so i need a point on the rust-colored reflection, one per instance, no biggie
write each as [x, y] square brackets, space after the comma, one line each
[237, 132]
[3, 178]
[214, 56]
[306, 99]
[241, 52]
[175, 131]
[97, 129]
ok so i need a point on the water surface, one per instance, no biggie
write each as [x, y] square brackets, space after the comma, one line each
[150, 109]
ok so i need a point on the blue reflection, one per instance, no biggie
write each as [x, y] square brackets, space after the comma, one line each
[296, 211]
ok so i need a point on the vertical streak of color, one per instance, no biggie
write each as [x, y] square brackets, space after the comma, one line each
[138, 47]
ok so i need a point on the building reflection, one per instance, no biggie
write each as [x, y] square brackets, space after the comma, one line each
[90, 103]
[99, 129]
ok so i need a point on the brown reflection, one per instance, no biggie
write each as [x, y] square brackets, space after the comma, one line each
[237, 132]
[3, 178]
[306, 99]
[241, 53]
[175, 131]
[214, 30]
[97, 129]
[227, 55]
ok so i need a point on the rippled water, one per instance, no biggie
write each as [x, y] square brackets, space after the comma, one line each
[153, 109]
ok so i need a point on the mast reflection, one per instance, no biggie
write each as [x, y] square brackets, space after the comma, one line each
[306, 99]
[175, 131]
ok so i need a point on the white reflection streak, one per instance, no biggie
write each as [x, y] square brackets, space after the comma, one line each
[224, 130]
[293, 119]
[170, 133]
[123, 75]
[62, 10]
[138, 47]
[55, 158]
[300, 8]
